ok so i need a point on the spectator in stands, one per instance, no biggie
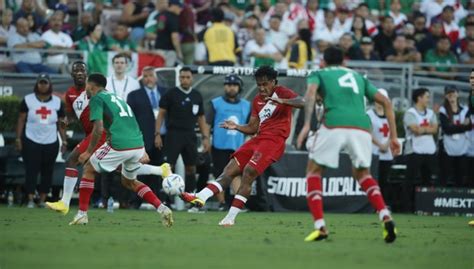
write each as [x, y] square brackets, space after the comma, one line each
[224, 142]
[6, 27]
[294, 12]
[380, 142]
[450, 27]
[399, 19]
[429, 42]
[277, 37]
[363, 11]
[27, 11]
[120, 83]
[203, 12]
[346, 43]
[358, 30]
[470, 152]
[144, 104]
[220, 41]
[434, 8]
[96, 41]
[182, 107]
[400, 53]
[134, 15]
[421, 126]
[367, 50]
[167, 43]
[300, 53]
[469, 35]
[37, 137]
[329, 31]
[120, 41]
[314, 15]
[57, 40]
[421, 32]
[27, 61]
[85, 27]
[455, 124]
[384, 40]
[259, 52]
[246, 31]
[188, 37]
[441, 55]
[343, 19]
[152, 22]
[468, 56]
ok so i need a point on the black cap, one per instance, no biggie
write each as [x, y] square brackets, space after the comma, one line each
[233, 79]
[366, 40]
[43, 77]
[176, 3]
[450, 89]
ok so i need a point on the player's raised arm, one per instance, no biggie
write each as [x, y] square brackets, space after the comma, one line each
[250, 128]
[385, 102]
[297, 102]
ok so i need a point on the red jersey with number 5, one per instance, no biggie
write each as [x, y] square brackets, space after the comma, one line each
[275, 119]
[77, 102]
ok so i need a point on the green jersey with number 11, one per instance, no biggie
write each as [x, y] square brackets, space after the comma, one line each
[343, 91]
[119, 121]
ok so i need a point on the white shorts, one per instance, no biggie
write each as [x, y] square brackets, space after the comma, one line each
[325, 146]
[107, 159]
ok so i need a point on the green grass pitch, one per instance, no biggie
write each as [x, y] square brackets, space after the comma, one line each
[38, 238]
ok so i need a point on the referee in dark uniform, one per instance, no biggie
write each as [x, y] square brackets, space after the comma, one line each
[182, 107]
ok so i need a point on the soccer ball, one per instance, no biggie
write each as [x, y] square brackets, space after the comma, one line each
[173, 184]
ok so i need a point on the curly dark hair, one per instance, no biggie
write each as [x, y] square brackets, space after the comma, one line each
[266, 71]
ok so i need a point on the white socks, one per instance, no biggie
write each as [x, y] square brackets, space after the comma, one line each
[318, 224]
[383, 213]
[208, 191]
[147, 169]
[68, 188]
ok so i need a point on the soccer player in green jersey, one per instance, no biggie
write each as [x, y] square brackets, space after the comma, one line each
[124, 146]
[345, 127]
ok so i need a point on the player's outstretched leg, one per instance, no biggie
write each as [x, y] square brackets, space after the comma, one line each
[147, 194]
[370, 186]
[70, 180]
[223, 181]
[248, 176]
[314, 197]
[163, 170]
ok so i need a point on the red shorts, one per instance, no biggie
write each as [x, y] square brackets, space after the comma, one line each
[260, 152]
[84, 144]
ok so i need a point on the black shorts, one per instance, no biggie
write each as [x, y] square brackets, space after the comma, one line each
[184, 143]
[220, 158]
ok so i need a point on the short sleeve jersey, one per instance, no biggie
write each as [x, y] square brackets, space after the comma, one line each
[119, 121]
[77, 102]
[275, 119]
[343, 91]
[182, 109]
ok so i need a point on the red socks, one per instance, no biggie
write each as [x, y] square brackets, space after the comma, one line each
[314, 196]
[146, 194]
[214, 187]
[86, 187]
[239, 201]
[372, 189]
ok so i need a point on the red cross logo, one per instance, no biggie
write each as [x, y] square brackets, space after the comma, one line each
[44, 112]
[425, 123]
[384, 130]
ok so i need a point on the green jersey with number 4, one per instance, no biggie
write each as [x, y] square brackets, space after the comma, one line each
[343, 91]
[119, 121]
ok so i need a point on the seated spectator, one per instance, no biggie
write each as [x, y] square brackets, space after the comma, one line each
[450, 27]
[134, 15]
[400, 53]
[27, 11]
[343, 19]
[278, 38]
[347, 45]
[6, 27]
[329, 31]
[468, 56]
[95, 41]
[61, 10]
[120, 39]
[384, 40]
[57, 40]
[246, 32]
[469, 35]
[260, 52]
[358, 30]
[367, 50]
[314, 15]
[27, 61]
[301, 53]
[363, 11]
[85, 27]
[429, 42]
[399, 19]
[442, 54]
[421, 32]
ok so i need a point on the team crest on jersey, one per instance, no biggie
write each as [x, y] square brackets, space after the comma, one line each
[195, 109]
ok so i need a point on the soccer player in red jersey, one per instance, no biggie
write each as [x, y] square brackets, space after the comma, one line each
[271, 120]
[77, 108]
